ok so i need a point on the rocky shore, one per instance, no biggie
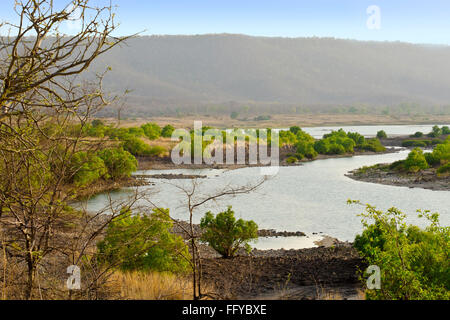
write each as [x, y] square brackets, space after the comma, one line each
[426, 179]
[316, 273]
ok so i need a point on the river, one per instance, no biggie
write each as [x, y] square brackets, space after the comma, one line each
[311, 198]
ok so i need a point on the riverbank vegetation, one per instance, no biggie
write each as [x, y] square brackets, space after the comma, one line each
[414, 262]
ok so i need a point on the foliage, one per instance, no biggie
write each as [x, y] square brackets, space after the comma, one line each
[120, 163]
[144, 242]
[86, 168]
[436, 132]
[414, 262]
[445, 169]
[416, 143]
[418, 134]
[167, 131]
[226, 234]
[291, 160]
[234, 115]
[372, 145]
[381, 134]
[152, 130]
[415, 161]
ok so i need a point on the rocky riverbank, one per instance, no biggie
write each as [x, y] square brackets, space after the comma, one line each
[316, 273]
[329, 271]
[166, 163]
[426, 179]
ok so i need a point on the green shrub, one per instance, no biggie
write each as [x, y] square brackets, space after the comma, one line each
[397, 165]
[157, 151]
[137, 132]
[291, 160]
[416, 143]
[436, 141]
[226, 234]
[120, 163]
[418, 134]
[413, 262]
[167, 131]
[444, 169]
[152, 130]
[322, 146]
[144, 242]
[372, 145]
[415, 161]
[295, 129]
[136, 147]
[306, 148]
[436, 132]
[87, 168]
[381, 134]
[445, 130]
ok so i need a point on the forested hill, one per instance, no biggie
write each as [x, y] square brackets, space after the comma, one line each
[182, 71]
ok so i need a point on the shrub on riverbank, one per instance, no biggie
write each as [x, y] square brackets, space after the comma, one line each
[413, 262]
[144, 242]
[226, 234]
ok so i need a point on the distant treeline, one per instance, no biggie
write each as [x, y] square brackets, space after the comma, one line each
[261, 112]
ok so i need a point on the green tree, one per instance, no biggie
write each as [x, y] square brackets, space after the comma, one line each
[144, 242]
[120, 163]
[415, 161]
[226, 234]
[167, 131]
[381, 134]
[152, 130]
[87, 168]
[414, 262]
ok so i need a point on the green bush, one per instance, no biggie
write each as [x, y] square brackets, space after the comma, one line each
[445, 130]
[414, 262]
[152, 130]
[291, 160]
[87, 168]
[416, 143]
[418, 134]
[372, 145]
[167, 131]
[144, 242]
[306, 149]
[415, 161]
[226, 234]
[120, 163]
[295, 129]
[381, 134]
[436, 132]
[157, 151]
[136, 147]
[444, 169]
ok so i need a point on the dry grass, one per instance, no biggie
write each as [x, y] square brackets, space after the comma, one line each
[152, 286]
[286, 120]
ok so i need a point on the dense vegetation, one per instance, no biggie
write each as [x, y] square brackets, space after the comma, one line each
[414, 262]
[417, 160]
[150, 244]
[336, 142]
[226, 234]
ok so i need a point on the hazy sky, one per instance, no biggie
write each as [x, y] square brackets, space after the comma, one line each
[417, 21]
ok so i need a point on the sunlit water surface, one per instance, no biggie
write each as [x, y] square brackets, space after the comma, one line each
[311, 198]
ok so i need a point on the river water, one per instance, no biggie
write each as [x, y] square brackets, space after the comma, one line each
[311, 198]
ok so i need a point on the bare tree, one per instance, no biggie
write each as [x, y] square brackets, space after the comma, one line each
[195, 200]
[44, 108]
